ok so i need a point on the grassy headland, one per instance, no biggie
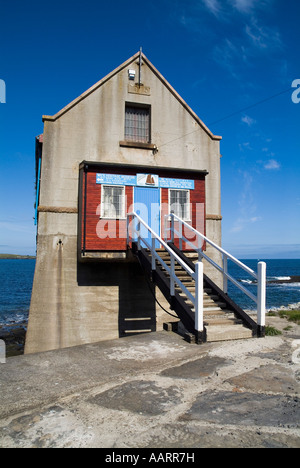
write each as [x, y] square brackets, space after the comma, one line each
[8, 256]
[292, 315]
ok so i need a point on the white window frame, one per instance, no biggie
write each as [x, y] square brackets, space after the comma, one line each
[188, 217]
[122, 216]
[131, 138]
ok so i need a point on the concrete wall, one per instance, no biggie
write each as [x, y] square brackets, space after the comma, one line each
[65, 310]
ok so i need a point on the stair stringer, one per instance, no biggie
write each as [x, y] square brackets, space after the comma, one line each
[247, 321]
[177, 303]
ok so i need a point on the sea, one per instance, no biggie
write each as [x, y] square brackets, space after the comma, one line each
[16, 279]
[283, 284]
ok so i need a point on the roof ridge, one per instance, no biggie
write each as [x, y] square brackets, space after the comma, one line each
[117, 70]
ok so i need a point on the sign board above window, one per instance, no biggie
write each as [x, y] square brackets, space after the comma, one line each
[115, 179]
[187, 184]
[145, 180]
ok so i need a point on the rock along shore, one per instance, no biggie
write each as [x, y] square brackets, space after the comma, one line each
[288, 279]
[14, 337]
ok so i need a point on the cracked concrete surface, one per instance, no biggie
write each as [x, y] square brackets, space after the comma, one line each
[154, 391]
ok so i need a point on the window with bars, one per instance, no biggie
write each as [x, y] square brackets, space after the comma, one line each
[179, 203]
[113, 201]
[137, 123]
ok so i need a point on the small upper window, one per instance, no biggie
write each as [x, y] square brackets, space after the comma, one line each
[179, 201]
[113, 201]
[137, 123]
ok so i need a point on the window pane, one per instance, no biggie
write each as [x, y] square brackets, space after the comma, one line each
[137, 126]
[179, 203]
[113, 202]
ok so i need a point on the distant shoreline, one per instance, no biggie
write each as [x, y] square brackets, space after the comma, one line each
[288, 279]
[15, 256]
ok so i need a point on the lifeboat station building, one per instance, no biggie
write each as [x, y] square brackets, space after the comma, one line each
[124, 167]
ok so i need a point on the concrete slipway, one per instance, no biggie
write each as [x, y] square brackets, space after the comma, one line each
[155, 391]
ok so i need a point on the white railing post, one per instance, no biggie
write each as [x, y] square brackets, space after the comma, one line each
[127, 230]
[138, 228]
[180, 235]
[172, 228]
[172, 274]
[225, 271]
[261, 298]
[153, 264]
[166, 228]
[199, 299]
[199, 249]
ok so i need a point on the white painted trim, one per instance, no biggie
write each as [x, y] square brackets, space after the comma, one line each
[188, 219]
[124, 215]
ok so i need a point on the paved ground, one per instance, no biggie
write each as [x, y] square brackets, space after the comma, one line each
[155, 391]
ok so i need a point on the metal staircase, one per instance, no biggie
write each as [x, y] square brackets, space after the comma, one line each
[221, 320]
[206, 311]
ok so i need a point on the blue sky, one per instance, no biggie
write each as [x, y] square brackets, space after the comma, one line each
[225, 58]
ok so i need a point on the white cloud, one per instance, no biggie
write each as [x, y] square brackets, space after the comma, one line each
[248, 6]
[244, 6]
[246, 202]
[241, 223]
[262, 36]
[230, 6]
[248, 120]
[272, 164]
[245, 146]
[214, 6]
[255, 219]
[266, 251]
[238, 225]
[15, 227]
[230, 56]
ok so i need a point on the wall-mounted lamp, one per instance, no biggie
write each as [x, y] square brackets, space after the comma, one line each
[131, 74]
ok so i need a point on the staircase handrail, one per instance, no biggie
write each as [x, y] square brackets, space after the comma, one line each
[196, 275]
[260, 276]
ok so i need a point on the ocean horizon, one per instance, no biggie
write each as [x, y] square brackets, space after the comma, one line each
[16, 279]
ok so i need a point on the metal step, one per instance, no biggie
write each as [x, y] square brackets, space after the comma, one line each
[221, 320]
[221, 324]
[227, 332]
[213, 313]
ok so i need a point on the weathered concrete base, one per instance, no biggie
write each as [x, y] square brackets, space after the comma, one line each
[86, 302]
[156, 391]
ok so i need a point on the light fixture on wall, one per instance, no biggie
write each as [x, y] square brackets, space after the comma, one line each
[131, 74]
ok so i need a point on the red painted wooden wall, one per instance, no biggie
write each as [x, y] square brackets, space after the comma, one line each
[110, 235]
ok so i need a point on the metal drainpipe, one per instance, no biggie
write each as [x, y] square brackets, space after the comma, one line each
[37, 192]
[84, 216]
